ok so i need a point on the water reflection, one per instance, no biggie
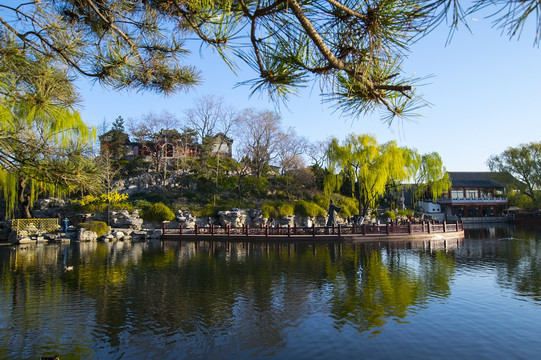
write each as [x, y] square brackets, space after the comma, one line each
[233, 299]
[513, 252]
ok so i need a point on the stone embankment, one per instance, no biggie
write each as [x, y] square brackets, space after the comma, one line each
[126, 226]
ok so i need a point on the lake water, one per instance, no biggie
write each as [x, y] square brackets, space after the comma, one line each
[479, 298]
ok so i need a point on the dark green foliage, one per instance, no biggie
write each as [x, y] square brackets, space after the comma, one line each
[118, 124]
[133, 166]
[99, 227]
[157, 212]
[101, 207]
[390, 215]
[406, 213]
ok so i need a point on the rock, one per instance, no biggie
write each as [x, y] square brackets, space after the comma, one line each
[186, 219]
[86, 235]
[108, 237]
[285, 220]
[123, 219]
[154, 234]
[118, 234]
[25, 240]
[235, 218]
[138, 235]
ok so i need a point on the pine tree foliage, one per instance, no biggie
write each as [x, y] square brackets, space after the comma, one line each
[42, 140]
[355, 49]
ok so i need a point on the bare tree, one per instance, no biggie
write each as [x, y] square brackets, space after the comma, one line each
[317, 152]
[260, 136]
[204, 116]
[290, 151]
[213, 121]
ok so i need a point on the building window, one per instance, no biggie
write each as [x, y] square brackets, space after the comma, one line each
[457, 194]
[472, 194]
[486, 194]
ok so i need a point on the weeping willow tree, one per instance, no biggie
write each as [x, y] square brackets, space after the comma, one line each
[429, 176]
[369, 165]
[42, 139]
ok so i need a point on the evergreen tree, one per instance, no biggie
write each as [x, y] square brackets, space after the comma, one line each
[42, 139]
[354, 48]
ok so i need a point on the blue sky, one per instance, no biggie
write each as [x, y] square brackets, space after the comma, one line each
[484, 92]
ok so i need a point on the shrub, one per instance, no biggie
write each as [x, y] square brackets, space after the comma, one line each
[348, 205]
[121, 206]
[274, 209]
[405, 213]
[208, 210]
[99, 227]
[157, 212]
[269, 211]
[141, 204]
[285, 209]
[389, 215]
[309, 208]
[322, 201]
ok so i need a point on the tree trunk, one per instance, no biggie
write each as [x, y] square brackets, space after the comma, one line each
[26, 208]
[24, 199]
[360, 200]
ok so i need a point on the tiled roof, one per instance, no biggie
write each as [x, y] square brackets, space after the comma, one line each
[478, 179]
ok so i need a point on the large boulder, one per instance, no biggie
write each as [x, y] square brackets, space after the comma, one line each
[84, 235]
[186, 219]
[235, 218]
[123, 219]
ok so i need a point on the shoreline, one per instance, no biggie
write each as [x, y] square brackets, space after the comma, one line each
[352, 238]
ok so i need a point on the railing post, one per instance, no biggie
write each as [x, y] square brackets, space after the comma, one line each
[457, 226]
[180, 228]
[387, 228]
[353, 229]
[429, 227]
[266, 230]
[363, 231]
[333, 229]
[163, 229]
[444, 226]
[339, 230]
[196, 229]
[247, 230]
[294, 229]
[410, 230]
[228, 229]
[313, 229]
[288, 230]
[212, 229]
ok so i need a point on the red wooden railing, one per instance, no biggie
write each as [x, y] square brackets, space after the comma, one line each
[338, 230]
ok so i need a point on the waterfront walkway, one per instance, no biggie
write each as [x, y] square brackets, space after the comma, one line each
[339, 232]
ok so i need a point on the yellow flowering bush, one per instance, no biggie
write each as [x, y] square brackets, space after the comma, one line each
[98, 203]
